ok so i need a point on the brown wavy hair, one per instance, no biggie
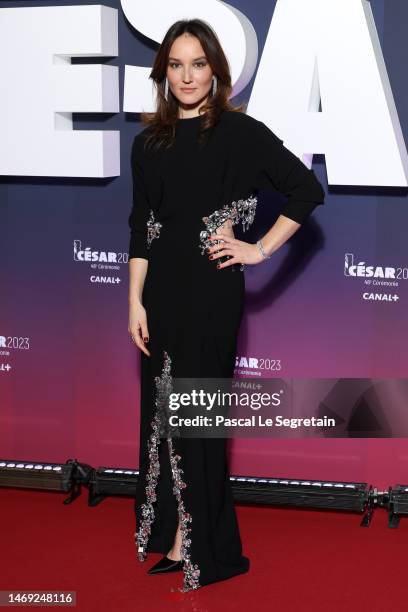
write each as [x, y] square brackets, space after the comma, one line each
[163, 120]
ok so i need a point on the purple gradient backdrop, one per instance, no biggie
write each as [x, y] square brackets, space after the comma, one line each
[75, 392]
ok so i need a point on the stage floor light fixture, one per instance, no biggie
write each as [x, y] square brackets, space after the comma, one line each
[35, 475]
[106, 481]
[348, 496]
[112, 481]
[397, 504]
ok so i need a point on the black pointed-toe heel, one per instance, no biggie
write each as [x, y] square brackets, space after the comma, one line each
[166, 565]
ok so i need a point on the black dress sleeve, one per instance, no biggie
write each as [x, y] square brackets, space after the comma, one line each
[279, 167]
[140, 209]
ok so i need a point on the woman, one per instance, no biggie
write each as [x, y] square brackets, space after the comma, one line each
[196, 168]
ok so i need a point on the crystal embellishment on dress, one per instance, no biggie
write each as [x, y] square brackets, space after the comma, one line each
[164, 386]
[153, 229]
[190, 569]
[240, 210]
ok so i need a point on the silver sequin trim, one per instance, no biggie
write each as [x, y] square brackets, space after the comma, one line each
[190, 569]
[241, 210]
[147, 509]
[153, 229]
[163, 390]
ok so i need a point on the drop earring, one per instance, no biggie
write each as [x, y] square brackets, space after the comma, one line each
[214, 85]
[166, 89]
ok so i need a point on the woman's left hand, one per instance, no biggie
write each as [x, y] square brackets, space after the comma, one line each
[240, 252]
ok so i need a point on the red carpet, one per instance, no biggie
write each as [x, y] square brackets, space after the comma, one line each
[300, 559]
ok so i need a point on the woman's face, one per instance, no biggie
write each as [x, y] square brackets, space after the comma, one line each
[188, 71]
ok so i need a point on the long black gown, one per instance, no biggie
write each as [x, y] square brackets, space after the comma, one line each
[180, 195]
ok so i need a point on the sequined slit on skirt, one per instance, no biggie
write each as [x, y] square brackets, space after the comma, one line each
[193, 325]
[191, 571]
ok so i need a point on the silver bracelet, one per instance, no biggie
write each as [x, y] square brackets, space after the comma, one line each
[261, 250]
